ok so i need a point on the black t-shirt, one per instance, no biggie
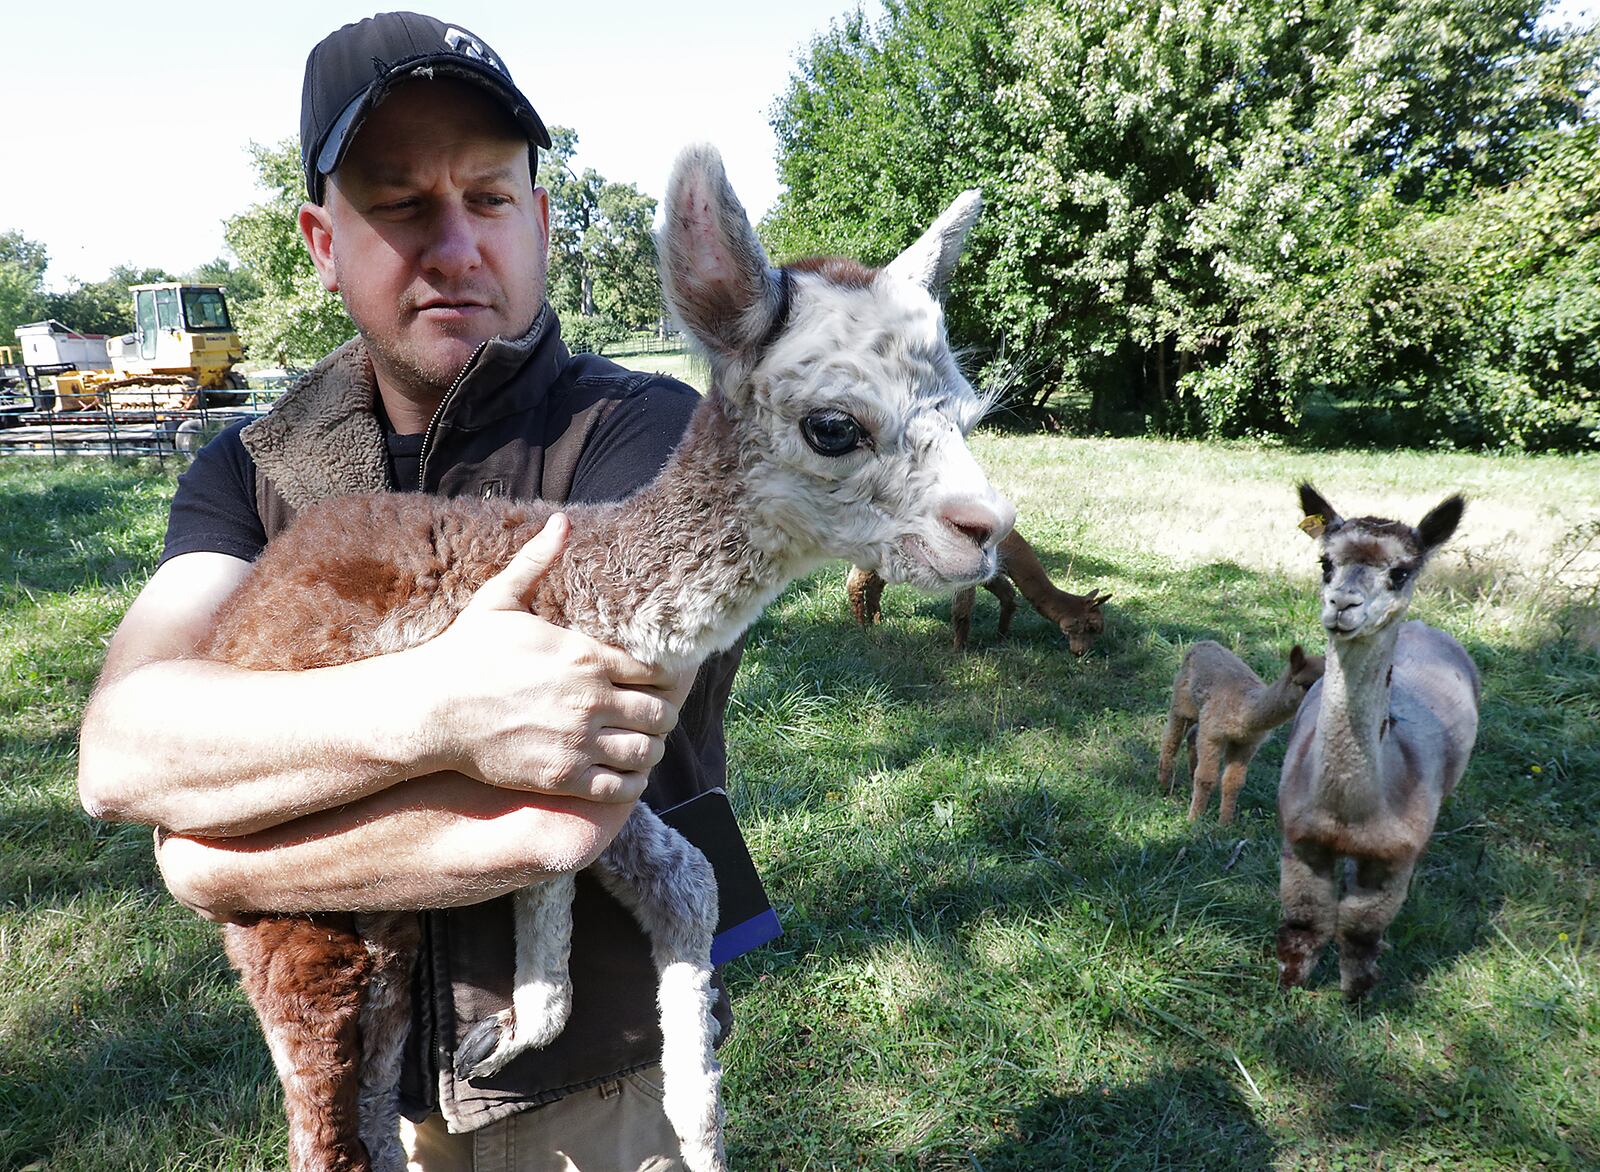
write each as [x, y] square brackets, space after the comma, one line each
[214, 509]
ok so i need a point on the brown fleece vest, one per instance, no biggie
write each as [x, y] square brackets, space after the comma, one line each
[515, 425]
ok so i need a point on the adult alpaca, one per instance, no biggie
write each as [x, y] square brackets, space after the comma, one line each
[1081, 617]
[1379, 742]
[834, 429]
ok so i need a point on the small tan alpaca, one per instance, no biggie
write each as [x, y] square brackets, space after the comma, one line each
[1078, 615]
[1226, 712]
[1379, 743]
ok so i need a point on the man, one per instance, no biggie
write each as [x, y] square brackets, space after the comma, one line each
[502, 752]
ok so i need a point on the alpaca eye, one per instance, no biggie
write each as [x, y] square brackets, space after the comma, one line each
[1327, 568]
[832, 433]
[1399, 576]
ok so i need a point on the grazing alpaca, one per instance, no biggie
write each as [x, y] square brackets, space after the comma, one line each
[834, 429]
[1226, 711]
[1378, 744]
[1078, 615]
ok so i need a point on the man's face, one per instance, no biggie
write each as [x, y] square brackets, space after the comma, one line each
[433, 232]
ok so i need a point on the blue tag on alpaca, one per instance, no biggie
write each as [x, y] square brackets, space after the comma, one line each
[745, 919]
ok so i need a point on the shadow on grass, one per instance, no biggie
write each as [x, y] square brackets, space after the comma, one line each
[56, 531]
[146, 1072]
[1369, 1100]
[1179, 1117]
[1032, 841]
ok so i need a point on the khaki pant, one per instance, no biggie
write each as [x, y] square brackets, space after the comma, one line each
[617, 1126]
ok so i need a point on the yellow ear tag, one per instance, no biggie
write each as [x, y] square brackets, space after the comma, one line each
[1314, 525]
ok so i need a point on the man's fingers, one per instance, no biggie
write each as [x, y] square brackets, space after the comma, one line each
[603, 784]
[625, 671]
[644, 711]
[627, 752]
[512, 588]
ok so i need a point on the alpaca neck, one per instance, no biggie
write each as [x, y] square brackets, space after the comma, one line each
[679, 570]
[1272, 704]
[1350, 722]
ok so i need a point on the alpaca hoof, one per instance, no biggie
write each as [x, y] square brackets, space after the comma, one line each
[1356, 991]
[482, 1050]
[487, 1047]
[1298, 950]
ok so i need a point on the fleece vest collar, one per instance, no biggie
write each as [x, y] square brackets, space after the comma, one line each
[322, 439]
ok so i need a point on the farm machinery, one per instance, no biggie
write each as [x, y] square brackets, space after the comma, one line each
[145, 393]
[180, 355]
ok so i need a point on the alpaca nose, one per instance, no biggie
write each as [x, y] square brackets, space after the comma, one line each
[983, 523]
[1343, 600]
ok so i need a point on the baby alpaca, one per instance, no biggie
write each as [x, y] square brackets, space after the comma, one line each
[1381, 740]
[834, 428]
[1227, 712]
[1078, 615]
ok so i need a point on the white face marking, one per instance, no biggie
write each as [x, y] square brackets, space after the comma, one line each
[910, 500]
[1368, 578]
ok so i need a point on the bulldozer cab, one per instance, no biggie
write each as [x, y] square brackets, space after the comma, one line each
[179, 329]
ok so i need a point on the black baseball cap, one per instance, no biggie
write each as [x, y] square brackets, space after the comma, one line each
[351, 70]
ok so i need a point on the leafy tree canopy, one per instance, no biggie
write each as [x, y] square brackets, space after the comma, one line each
[602, 250]
[1216, 216]
[22, 296]
[290, 319]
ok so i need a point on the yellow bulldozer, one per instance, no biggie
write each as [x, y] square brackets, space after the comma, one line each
[181, 354]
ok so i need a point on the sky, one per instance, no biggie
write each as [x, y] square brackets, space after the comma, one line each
[127, 136]
[125, 130]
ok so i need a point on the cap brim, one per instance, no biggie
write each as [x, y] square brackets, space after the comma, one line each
[343, 131]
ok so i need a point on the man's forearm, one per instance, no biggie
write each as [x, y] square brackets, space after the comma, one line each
[438, 841]
[208, 748]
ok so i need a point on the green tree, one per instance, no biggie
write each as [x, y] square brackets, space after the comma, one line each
[602, 250]
[1198, 215]
[22, 296]
[103, 307]
[240, 284]
[293, 319]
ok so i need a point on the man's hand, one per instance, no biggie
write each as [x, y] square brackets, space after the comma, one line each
[537, 707]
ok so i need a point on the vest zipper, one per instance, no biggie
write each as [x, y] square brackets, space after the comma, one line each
[427, 436]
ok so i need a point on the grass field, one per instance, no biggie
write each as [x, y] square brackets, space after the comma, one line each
[1004, 949]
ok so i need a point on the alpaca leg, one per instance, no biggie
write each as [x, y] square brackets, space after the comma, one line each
[1206, 771]
[865, 591]
[385, 1020]
[541, 998]
[669, 887]
[961, 615]
[305, 977]
[1308, 890]
[1000, 587]
[1234, 770]
[1370, 903]
[1177, 725]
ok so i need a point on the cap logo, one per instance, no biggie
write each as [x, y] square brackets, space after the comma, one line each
[469, 46]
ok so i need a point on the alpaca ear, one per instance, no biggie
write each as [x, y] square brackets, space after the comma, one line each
[713, 270]
[1320, 517]
[1441, 521]
[1097, 600]
[929, 261]
[1297, 659]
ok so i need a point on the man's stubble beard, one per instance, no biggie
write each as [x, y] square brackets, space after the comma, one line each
[412, 373]
[417, 378]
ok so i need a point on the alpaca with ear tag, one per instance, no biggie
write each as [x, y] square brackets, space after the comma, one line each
[835, 427]
[1378, 744]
